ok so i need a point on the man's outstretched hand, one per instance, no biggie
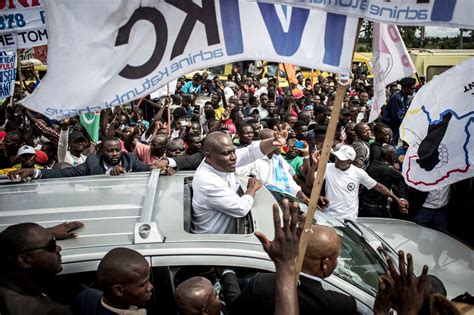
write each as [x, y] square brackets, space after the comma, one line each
[284, 248]
[65, 230]
[402, 290]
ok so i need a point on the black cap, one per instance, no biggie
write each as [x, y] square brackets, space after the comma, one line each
[407, 82]
[76, 136]
[345, 112]
[320, 109]
[179, 111]
[354, 99]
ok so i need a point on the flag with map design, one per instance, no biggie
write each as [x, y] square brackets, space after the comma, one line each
[439, 128]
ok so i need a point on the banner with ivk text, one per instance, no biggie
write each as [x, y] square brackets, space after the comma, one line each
[106, 53]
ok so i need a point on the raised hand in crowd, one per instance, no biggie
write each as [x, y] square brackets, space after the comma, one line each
[225, 115]
[65, 230]
[65, 124]
[283, 250]
[402, 290]
[220, 85]
[280, 135]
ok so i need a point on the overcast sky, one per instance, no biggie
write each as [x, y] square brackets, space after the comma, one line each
[441, 31]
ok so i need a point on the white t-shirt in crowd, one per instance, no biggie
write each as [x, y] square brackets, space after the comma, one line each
[342, 190]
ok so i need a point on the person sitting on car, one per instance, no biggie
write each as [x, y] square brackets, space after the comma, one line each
[216, 203]
[29, 259]
[111, 160]
[124, 277]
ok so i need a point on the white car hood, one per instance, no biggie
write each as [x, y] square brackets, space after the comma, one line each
[447, 258]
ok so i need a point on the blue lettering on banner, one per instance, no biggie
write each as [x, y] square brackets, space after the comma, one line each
[146, 84]
[7, 74]
[285, 43]
[334, 38]
[443, 10]
[11, 21]
[231, 27]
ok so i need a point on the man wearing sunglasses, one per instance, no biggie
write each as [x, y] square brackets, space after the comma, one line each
[29, 259]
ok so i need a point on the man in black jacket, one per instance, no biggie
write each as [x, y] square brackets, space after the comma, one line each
[111, 160]
[320, 261]
[29, 260]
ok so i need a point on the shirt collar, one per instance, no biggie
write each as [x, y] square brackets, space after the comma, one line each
[132, 310]
[311, 277]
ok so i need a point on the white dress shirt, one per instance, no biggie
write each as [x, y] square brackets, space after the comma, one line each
[265, 169]
[216, 204]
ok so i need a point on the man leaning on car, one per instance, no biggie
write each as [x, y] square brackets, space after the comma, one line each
[111, 160]
[216, 204]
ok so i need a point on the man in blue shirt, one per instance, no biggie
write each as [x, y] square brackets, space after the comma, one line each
[397, 106]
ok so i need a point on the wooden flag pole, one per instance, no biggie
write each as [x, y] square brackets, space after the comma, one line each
[20, 74]
[418, 78]
[323, 160]
[169, 109]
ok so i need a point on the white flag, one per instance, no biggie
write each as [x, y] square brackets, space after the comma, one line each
[107, 53]
[451, 13]
[439, 127]
[391, 63]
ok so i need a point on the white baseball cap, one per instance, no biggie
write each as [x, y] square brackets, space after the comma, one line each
[345, 152]
[26, 149]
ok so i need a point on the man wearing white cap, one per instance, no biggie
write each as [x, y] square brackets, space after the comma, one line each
[26, 159]
[342, 185]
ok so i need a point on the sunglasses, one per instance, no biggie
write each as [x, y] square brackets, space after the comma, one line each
[176, 149]
[50, 246]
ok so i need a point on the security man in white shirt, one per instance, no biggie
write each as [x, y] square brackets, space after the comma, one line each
[342, 185]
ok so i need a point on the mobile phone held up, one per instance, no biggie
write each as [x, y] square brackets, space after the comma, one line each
[299, 144]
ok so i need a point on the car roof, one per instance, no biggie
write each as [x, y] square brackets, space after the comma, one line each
[112, 206]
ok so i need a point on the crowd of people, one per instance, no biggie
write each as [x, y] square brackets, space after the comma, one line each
[248, 126]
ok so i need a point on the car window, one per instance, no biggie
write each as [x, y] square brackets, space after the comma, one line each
[244, 225]
[358, 263]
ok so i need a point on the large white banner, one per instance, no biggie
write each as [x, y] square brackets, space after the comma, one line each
[453, 13]
[22, 23]
[391, 63]
[106, 53]
[439, 127]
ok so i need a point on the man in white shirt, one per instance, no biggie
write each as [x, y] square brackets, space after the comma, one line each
[216, 204]
[342, 185]
[274, 170]
[71, 145]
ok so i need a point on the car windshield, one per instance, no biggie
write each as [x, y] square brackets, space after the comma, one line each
[358, 263]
